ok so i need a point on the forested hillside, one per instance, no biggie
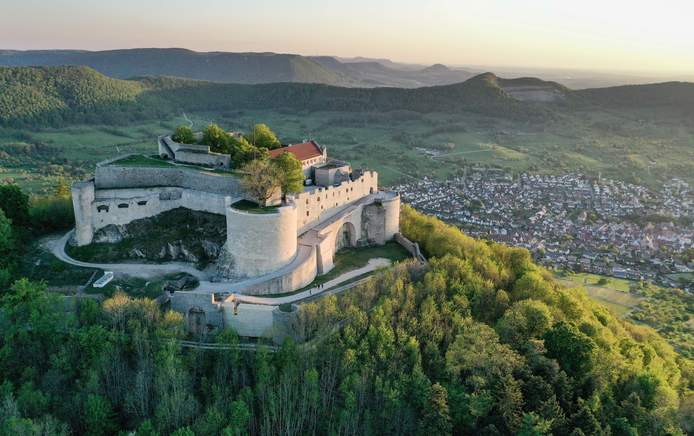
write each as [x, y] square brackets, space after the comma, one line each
[59, 95]
[213, 66]
[479, 341]
[56, 95]
[671, 95]
[53, 96]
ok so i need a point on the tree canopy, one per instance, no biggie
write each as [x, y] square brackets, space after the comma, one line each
[479, 340]
[262, 136]
[289, 172]
[15, 204]
[261, 179]
[184, 135]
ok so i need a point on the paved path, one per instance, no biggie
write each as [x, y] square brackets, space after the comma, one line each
[146, 270]
[329, 287]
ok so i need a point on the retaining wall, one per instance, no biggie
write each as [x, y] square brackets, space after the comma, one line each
[122, 206]
[121, 177]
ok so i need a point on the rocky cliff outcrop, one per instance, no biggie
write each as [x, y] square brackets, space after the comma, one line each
[175, 235]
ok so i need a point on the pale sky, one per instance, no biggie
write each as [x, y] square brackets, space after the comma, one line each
[636, 35]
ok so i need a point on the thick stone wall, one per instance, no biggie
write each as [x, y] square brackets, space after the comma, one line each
[326, 201]
[299, 273]
[249, 320]
[120, 177]
[82, 200]
[391, 203]
[260, 243]
[121, 206]
[185, 302]
[209, 159]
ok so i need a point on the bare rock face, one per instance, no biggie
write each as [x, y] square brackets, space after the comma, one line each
[187, 254]
[224, 267]
[136, 253]
[176, 235]
[111, 234]
[211, 249]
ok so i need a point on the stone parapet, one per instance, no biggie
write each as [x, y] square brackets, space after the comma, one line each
[120, 177]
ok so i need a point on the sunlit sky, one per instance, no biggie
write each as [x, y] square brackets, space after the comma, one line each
[617, 35]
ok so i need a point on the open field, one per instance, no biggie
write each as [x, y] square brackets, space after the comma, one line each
[399, 144]
[614, 294]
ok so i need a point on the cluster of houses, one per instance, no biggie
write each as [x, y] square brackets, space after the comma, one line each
[572, 221]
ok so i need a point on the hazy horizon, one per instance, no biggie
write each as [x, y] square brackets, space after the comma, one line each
[621, 37]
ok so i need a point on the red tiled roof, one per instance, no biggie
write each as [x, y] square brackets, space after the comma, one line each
[303, 151]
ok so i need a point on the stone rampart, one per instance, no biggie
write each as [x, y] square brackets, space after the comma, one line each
[299, 273]
[260, 243]
[122, 206]
[325, 201]
[119, 177]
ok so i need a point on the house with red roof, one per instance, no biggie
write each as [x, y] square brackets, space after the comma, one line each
[309, 153]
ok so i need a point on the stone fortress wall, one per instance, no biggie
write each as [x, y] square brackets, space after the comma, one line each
[259, 243]
[119, 194]
[287, 246]
[113, 176]
[191, 153]
[322, 202]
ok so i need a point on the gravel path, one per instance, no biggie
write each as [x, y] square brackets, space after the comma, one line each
[144, 270]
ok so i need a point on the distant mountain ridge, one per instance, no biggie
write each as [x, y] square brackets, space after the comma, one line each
[211, 66]
[247, 68]
[55, 95]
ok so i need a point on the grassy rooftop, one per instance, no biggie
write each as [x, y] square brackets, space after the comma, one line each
[140, 160]
[249, 206]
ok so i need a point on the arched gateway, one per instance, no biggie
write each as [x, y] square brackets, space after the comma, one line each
[346, 237]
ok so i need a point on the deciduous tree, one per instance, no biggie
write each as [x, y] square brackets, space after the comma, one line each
[290, 173]
[261, 136]
[261, 180]
[184, 135]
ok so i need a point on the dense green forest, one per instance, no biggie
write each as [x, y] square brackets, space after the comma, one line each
[57, 95]
[479, 340]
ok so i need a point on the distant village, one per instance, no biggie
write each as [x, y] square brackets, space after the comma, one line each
[572, 221]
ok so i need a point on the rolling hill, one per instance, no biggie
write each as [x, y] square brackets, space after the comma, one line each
[372, 73]
[55, 95]
[247, 68]
[51, 95]
[211, 66]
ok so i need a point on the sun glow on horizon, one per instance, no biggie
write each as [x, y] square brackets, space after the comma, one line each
[592, 35]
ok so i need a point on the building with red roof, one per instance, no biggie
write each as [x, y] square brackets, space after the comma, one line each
[309, 153]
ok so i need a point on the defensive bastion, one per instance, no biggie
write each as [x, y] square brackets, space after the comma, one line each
[276, 251]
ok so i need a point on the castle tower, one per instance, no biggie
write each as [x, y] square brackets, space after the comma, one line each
[259, 243]
[82, 199]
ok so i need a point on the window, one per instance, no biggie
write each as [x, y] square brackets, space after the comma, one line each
[308, 213]
[102, 208]
[142, 203]
[123, 206]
